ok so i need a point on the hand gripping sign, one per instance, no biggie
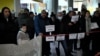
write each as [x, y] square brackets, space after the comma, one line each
[50, 28]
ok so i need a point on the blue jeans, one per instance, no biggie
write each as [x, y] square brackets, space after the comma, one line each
[64, 45]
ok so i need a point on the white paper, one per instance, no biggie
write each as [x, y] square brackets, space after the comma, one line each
[81, 35]
[50, 28]
[60, 37]
[94, 25]
[50, 38]
[75, 18]
[72, 36]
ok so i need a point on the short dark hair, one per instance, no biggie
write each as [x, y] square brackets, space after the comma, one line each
[26, 9]
[31, 13]
[23, 25]
[43, 11]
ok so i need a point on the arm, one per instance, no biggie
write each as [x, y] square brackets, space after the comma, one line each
[19, 36]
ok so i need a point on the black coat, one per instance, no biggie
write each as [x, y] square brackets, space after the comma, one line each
[8, 31]
[96, 35]
[70, 29]
[82, 24]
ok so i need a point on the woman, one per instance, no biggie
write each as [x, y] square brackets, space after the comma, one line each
[8, 29]
[85, 23]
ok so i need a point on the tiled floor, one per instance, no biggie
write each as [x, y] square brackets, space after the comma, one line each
[53, 51]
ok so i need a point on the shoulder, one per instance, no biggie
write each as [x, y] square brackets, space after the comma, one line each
[20, 32]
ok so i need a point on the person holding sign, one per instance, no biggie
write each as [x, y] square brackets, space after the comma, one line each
[59, 30]
[85, 26]
[40, 22]
[70, 26]
[96, 35]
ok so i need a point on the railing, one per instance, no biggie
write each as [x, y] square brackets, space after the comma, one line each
[31, 48]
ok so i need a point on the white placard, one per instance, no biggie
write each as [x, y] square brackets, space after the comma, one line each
[50, 28]
[81, 35]
[60, 37]
[75, 18]
[50, 38]
[72, 36]
[94, 25]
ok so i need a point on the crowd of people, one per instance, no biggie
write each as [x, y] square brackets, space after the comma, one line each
[23, 27]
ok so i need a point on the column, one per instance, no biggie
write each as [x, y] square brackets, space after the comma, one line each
[17, 7]
[55, 6]
[70, 4]
[51, 5]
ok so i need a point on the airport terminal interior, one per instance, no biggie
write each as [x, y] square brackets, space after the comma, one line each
[49, 27]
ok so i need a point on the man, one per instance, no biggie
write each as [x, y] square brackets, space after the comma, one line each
[59, 26]
[40, 22]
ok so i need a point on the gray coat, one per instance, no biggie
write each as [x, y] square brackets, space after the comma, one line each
[22, 35]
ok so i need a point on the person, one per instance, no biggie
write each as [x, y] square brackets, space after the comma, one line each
[8, 28]
[26, 10]
[30, 25]
[57, 21]
[23, 17]
[96, 35]
[70, 27]
[64, 13]
[40, 22]
[85, 26]
[22, 35]
[52, 18]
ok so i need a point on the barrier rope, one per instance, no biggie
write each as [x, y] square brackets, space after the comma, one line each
[71, 33]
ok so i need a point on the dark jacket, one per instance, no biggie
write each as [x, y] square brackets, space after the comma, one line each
[70, 29]
[30, 27]
[22, 19]
[96, 35]
[59, 26]
[8, 30]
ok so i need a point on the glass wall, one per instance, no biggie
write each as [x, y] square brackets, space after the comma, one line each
[33, 5]
[77, 4]
[62, 5]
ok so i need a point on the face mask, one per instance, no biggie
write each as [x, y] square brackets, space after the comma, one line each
[24, 30]
[60, 18]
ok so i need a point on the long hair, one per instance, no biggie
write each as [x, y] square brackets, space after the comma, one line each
[2, 12]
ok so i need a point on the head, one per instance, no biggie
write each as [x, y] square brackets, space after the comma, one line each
[23, 28]
[64, 12]
[79, 13]
[6, 12]
[31, 14]
[43, 14]
[87, 14]
[71, 13]
[26, 10]
[96, 14]
[53, 17]
[60, 15]
[83, 12]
